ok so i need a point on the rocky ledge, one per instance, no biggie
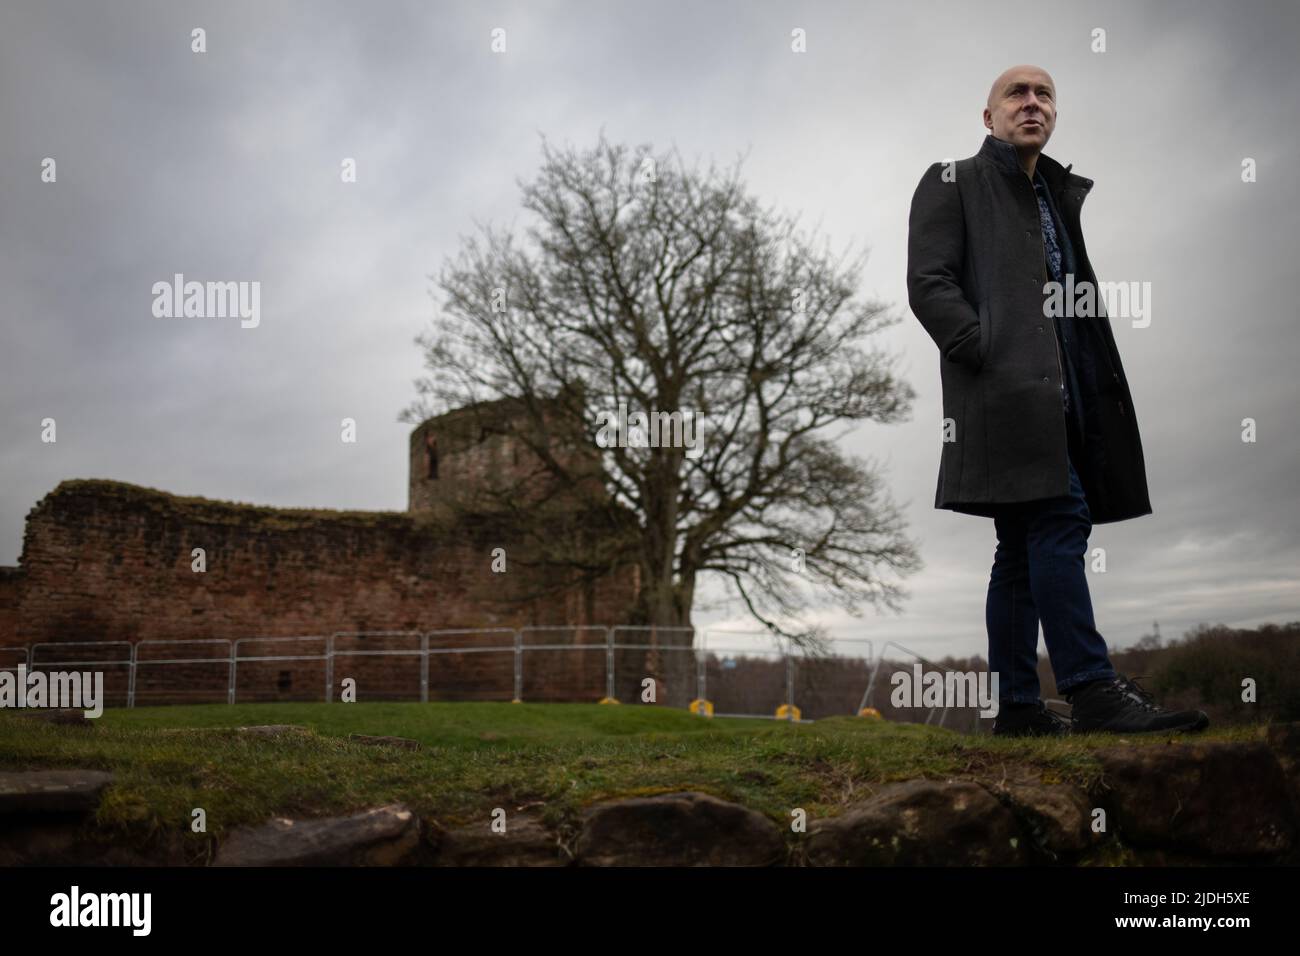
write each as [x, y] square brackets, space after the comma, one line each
[1189, 802]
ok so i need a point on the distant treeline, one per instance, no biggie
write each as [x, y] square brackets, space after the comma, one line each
[1205, 668]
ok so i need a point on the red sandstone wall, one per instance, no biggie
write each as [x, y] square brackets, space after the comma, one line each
[107, 561]
[11, 583]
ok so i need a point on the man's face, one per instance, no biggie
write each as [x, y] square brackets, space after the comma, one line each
[1022, 108]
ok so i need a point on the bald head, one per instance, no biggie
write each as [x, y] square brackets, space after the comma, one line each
[1021, 108]
[1024, 72]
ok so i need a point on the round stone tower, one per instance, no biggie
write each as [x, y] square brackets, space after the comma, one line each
[475, 459]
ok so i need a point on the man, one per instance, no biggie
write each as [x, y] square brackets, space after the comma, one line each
[1040, 430]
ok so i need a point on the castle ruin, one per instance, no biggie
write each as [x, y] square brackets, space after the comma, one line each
[106, 561]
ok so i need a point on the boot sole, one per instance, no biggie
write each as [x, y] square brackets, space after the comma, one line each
[1201, 722]
[1018, 732]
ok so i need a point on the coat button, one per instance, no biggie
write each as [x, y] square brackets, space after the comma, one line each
[1045, 378]
[1040, 328]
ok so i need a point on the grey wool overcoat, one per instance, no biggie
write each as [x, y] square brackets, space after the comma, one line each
[976, 273]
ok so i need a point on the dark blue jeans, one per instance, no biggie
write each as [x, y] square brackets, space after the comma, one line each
[1038, 575]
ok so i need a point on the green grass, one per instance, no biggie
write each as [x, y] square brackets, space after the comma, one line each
[547, 759]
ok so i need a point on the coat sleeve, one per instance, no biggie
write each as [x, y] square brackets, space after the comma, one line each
[936, 247]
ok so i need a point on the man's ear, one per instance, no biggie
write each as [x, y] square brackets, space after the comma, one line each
[988, 120]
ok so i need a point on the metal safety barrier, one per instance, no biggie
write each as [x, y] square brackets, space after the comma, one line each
[780, 682]
[880, 660]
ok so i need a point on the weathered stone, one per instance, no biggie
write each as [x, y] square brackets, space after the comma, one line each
[1055, 816]
[404, 742]
[525, 843]
[384, 836]
[273, 730]
[677, 829]
[52, 791]
[1224, 799]
[921, 823]
[63, 841]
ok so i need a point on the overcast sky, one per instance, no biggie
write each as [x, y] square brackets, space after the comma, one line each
[225, 165]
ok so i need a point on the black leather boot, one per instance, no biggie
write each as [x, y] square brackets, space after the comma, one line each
[1119, 706]
[1029, 720]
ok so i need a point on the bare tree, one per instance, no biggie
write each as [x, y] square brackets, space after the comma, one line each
[666, 290]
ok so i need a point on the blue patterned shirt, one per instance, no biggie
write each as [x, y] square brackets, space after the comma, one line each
[1060, 262]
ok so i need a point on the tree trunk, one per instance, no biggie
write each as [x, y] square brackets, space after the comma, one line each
[668, 656]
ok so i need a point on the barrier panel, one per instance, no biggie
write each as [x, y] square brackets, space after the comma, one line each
[287, 668]
[742, 677]
[386, 665]
[879, 689]
[181, 671]
[827, 684]
[564, 663]
[474, 663]
[11, 657]
[665, 654]
[114, 658]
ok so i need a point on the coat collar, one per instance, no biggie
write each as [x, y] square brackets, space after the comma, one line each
[1058, 177]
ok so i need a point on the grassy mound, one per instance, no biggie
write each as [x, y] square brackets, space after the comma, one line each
[546, 759]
